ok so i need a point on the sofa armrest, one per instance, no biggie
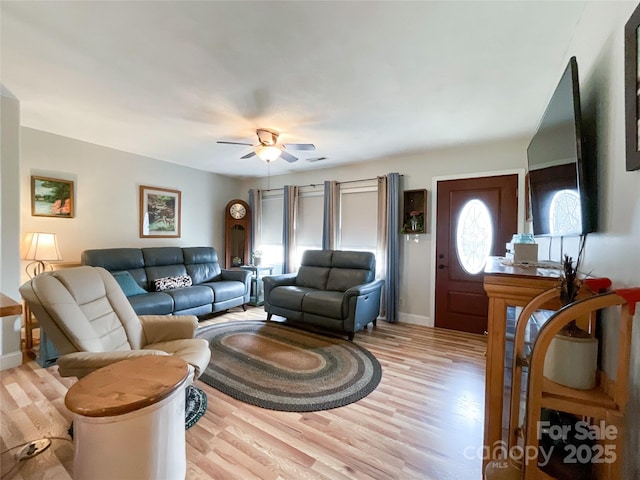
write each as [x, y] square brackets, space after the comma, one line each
[79, 364]
[237, 275]
[280, 280]
[364, 289]
[243, 276]
[272, 281]
[162, 328]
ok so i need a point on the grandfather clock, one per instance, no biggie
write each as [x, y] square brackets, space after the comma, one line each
[237, 233]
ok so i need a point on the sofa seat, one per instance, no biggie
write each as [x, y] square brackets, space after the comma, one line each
[224, 290]
[334, 290]
[152, 303]
[194, 297]
[290, 297]
[330, 304]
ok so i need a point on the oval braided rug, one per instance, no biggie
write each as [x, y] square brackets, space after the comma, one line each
[282, 368]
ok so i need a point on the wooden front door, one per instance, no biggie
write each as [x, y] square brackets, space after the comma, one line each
[476, 217]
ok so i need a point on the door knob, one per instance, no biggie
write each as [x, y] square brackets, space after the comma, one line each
[441, 266]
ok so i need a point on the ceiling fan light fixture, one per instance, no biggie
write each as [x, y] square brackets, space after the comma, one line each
[268, 153]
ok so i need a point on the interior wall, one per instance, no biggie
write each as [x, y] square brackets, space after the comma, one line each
[418, 171]
[10, 355]
[107, 185]
[614, 252]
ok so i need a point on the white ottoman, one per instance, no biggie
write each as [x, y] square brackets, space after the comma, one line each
[128, 420]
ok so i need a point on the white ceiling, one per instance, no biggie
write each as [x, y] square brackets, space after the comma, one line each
[361, 80]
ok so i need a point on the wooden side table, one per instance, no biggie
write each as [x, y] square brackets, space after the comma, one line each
[257, 292]
[507, 287]
[129, 420]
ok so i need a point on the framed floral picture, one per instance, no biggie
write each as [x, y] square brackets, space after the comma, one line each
[632, 89]
[52, 197]
[159, 212]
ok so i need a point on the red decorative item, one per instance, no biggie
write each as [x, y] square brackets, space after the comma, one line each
[631, 295]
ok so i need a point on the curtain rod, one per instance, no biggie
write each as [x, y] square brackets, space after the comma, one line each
[322, 184]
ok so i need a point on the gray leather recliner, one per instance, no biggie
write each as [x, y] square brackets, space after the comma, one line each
[333, 289]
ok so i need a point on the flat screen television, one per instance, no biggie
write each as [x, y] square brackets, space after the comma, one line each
[561, 176]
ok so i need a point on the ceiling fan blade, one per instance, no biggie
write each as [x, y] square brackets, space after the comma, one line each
[299, 146]
[248, 155]
[235, 143]
[288, 157]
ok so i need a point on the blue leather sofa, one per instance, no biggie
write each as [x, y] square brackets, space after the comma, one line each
[333, 289]
[212, 288]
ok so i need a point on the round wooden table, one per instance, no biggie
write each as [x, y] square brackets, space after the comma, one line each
[128, 420]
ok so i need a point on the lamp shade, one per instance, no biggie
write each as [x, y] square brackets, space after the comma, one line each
[268, 153]
[42, 247]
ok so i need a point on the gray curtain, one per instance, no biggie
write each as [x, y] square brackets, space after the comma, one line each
[392, 251]
[255, 204]
[381, 248]
[290, 211]
[330, 217]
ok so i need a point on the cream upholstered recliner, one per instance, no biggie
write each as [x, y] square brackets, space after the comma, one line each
[91, 323]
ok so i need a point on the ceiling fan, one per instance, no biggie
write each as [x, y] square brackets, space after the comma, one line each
[268, 148]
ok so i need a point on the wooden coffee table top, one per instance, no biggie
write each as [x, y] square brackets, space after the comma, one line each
[126, 386]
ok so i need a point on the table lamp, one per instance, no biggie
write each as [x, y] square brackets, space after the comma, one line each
[42, 247]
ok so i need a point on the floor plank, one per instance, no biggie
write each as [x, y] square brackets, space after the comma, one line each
[424, 421]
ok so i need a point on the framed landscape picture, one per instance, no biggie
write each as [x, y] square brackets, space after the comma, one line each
[631, 87]
[52, 197]
[159, 212]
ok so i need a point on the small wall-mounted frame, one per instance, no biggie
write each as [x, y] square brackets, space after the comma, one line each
[632, 100]
[159, 212]
[52, 197]
[414, 217]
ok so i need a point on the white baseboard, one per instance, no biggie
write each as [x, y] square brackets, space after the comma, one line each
[10, 360]
[414, 319]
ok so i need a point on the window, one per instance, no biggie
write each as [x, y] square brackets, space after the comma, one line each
[358, 217]
[309, 222]
[474, 236]
[271, 236]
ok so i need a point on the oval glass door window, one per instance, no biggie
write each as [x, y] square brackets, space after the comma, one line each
[474, 236]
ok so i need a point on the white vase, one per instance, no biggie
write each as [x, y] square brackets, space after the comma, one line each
[572, 361]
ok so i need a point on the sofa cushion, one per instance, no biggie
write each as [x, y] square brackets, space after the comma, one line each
[350, 259]
[224, 290]
[171, 283]
[317, 258]
[114, 259]
[289, 296]
[128, 284]
[204, 272]
[152, 303]
[342, 279]
[202, 264]
[199, 255]
[312, 277]
[159, 256]
[328, 304]
[189, 297]
[154, 273]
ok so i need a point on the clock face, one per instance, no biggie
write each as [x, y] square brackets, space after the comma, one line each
[237, 211]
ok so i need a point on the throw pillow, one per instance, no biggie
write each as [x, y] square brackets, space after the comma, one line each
[128, 284]
[170, 283]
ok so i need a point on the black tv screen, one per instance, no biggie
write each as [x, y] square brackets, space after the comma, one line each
[561, 178]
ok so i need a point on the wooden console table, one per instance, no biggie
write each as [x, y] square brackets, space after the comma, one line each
[506, 286]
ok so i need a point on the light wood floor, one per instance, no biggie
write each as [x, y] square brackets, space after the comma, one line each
[424, 421]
